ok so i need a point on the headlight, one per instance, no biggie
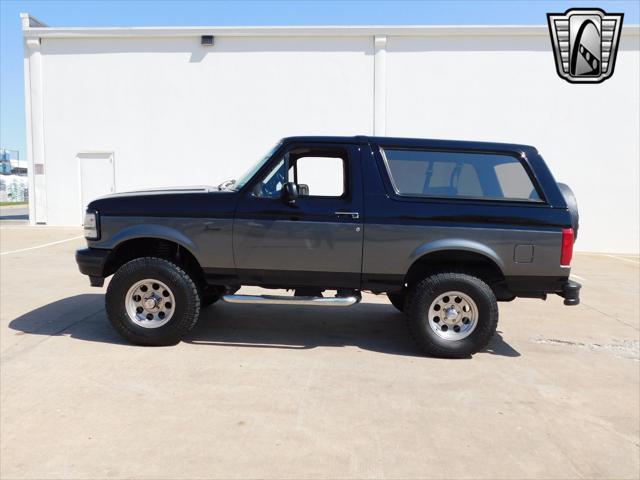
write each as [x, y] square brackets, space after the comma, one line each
[91, 227]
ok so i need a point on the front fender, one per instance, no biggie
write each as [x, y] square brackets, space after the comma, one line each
[124, 233]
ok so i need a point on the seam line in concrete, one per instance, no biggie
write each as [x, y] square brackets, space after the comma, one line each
[613, 317]
[42, 246]
[622, 259]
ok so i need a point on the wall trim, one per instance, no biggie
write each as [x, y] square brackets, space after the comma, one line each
[32, 27]
[380, 85]
[34, 114]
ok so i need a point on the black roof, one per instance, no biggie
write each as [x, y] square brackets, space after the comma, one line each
[413, 142]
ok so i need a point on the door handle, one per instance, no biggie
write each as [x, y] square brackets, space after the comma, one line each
[353, 215]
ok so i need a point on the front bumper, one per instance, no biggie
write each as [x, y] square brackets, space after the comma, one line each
[91, 262]
[571, 292]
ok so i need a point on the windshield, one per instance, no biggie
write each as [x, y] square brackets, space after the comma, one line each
[242, 181]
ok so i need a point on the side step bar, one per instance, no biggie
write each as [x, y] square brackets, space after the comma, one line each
[285, 300]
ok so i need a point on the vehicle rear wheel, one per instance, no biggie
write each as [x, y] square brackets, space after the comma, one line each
[397, 300]
[151, 301]
[451, 314]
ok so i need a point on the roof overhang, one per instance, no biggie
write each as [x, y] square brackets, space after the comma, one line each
[34, 28]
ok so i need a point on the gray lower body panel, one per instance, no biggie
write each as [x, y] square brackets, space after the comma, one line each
[390, 250]
[282, 245]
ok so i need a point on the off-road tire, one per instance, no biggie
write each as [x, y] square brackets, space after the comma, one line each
[422, 294]
[397, 300]
[187, 301]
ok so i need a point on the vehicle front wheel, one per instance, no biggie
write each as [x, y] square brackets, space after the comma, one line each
[451, 314]
[151, 301]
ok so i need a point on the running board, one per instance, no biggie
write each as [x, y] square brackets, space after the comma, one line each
[284, 300]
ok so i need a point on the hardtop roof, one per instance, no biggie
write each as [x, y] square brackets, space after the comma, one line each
[412, 142]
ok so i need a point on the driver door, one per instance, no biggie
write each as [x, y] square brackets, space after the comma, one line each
[315, 241]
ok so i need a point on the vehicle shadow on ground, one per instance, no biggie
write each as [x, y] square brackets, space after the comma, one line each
[82, 317]
[369, 326]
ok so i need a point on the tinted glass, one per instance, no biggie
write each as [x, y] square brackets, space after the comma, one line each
[254, 168]
[316, 176]
[271, 185]
[459, 174]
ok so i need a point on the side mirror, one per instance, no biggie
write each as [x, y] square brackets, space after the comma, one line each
[289, 193]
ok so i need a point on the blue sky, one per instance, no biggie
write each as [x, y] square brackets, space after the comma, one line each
[262, 12]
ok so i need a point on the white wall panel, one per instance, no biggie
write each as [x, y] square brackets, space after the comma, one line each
[176, 113]
[507, 90]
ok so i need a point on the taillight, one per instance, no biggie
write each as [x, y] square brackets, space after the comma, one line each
[567, 247]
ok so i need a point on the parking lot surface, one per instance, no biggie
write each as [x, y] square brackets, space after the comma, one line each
[306, 392]
[14, 214]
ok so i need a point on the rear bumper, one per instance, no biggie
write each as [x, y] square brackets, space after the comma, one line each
[91, 262]
[540, 287]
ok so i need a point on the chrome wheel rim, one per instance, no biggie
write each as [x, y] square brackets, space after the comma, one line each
[453, 316]
[150, 303]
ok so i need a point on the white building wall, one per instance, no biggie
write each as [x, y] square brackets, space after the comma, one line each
[176, 113]
[486, 88]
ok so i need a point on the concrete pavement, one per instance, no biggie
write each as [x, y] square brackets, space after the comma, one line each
[282, 392]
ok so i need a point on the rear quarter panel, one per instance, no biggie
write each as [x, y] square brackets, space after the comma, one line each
[399, 230]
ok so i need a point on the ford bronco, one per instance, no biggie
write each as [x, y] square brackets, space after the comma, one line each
[445, 229]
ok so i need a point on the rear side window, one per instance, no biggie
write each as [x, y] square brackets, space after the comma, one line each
[458, 174]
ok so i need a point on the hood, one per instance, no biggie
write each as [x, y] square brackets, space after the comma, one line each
[163, 191]
[191, 201]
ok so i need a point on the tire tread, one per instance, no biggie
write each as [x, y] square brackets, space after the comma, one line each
[180, 328]
[416, 299]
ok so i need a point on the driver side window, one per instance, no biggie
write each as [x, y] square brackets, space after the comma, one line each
[320, 176]
[318, 172]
